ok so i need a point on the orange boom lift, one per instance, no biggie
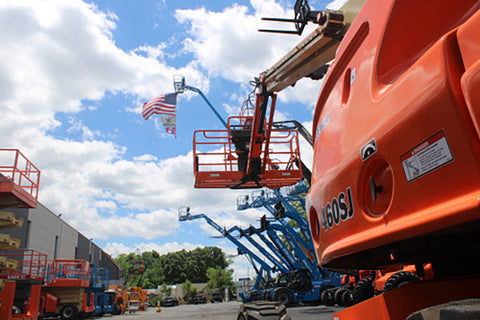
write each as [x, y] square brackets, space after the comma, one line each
[396, 169]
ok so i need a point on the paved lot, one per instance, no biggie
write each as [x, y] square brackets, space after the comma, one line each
[220, 311]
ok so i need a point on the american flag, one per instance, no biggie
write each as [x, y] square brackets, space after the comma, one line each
[163, 104]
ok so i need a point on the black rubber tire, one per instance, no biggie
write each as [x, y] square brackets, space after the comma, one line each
[263, 310]
[337, 296]
[268, 296]
[283, 296]
[68, 312]
[347, 298]
[255, 296]
[116, 310]
[327, 297]
[398, 279]
[241, 316]
[363, 290]
[265, 294]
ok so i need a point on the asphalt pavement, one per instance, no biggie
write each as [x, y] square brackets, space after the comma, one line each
[220, 311]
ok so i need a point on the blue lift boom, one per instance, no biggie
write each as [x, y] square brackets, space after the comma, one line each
[184, 215]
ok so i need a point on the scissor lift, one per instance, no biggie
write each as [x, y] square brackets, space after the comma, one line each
[19, 180]
[68, 280]
[21, 271]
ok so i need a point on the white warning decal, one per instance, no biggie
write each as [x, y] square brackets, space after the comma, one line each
[427, 156]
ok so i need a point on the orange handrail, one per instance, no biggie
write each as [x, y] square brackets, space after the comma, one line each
[14, 166]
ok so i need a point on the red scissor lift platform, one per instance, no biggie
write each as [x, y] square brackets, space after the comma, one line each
[22, 272]
[67, 280]
[22, 280]
[19, 180]
[240, 157]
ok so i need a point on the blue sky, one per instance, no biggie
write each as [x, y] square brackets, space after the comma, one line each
[73, 78]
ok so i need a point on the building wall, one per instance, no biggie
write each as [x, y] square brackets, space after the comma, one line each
[115, 270]
[47, 233]
[83, 248]
[50, 235]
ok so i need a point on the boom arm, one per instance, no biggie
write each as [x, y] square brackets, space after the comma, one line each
[188, 216]
[262, 250]
[251, 231]
[299, 251]
[315, 51]
[208, 102]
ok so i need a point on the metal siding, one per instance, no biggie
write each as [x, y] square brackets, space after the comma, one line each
[68, 242]
[83, 246]
[45, 226]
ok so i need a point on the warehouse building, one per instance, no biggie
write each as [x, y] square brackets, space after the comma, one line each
[47, 233]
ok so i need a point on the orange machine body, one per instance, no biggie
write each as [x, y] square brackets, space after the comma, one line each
[396, 172]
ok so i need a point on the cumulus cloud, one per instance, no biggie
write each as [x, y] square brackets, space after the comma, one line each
[55, 55]
[59, 58]
[227, 43]
[115, 248]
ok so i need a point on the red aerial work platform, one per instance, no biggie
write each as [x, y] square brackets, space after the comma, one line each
[66, 283]
[241, 157]
[19, 180]
[22, 283]
[69, 273]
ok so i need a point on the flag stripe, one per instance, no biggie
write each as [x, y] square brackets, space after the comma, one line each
[163, 104]
[159, 110]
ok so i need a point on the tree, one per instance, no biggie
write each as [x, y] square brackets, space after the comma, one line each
[189, 291]
[220, 279]
[171, 268]
[165, 290]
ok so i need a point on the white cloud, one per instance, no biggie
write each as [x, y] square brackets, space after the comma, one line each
[109, 205]
[55, 55]
[60, 57]
[115, 248]
[336, 4]
[145, 157]
[227, 43]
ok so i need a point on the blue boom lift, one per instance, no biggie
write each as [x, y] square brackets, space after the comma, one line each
[305, 282]
[263, 274]
[103, 299]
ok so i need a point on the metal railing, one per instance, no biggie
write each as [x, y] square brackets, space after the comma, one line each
[28, 264]
[69, 269]
[16, 168]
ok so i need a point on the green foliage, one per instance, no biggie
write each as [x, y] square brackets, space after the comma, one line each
[153, 301]
[188, 290]
[219, 279]
[171, 268]
[165, 290]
